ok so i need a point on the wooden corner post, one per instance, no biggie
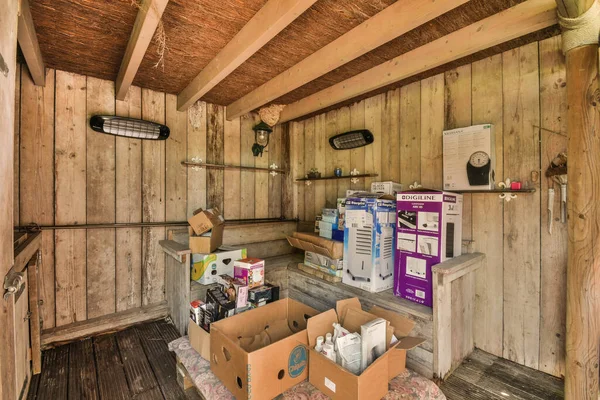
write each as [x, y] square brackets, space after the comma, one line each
[579, 20]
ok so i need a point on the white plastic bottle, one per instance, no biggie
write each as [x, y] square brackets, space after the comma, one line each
[329, 352]
[328, 338]
[319, 346]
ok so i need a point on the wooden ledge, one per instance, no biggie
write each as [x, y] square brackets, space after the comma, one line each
[108, 323]
[456, 267]
[175, 249]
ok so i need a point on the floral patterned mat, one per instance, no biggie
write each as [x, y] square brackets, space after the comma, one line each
[407, 386]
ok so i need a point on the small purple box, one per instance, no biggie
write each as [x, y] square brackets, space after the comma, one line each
[251, 271]
[429, 231]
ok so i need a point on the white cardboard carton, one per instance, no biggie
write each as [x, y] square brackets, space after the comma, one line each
[469, 158]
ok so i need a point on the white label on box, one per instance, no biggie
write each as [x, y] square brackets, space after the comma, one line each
[329, 384]
[356, 218]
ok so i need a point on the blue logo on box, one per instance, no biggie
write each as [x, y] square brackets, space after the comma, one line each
[297, 362]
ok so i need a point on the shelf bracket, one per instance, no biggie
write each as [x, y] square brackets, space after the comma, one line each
[273, 166]
[355, 172]
[199, 161]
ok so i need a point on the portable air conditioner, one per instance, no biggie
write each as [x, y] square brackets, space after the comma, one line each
[359, 266]
[386, 261]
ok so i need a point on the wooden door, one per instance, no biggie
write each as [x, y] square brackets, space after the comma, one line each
[8, 53]
[21, 332]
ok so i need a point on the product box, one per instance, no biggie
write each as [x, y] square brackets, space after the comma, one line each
[223, 307]
[429, 231]
[208, 241]
[199, 339]
[204, 220]
[341, 208]
[196, 313]
[469, 158]
[338, 383]
[323, 263]
[326, 229]
[263, 352]
[318, 219]
[388, 187]
[207, 267]
[316, 244]
[250, 270]
[369, 242]
[236, 290]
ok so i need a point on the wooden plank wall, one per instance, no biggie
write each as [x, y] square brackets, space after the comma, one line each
[520, 299]
[65, 173]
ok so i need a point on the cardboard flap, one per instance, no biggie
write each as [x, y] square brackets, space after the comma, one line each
[355, 318]
[307, 246]
[342, 305]
[319, 325]
[402, 325]
[409, 342]
[278, 330]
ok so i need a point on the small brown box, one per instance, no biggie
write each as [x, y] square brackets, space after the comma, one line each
[205, 220]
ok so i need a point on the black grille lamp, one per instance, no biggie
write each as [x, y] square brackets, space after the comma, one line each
[262, 131]
[129, 127]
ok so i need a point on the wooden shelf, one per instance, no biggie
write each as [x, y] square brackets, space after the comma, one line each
[236, 167]
[497, 191]
[326, 178]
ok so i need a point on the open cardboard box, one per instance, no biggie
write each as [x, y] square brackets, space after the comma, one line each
[208, 242]
[316, 244]
[199, 339]
[204, 220]
[339, 383]
[262, 352]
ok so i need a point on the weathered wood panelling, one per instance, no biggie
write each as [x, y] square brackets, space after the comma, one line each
[71, 175]
[519, 294]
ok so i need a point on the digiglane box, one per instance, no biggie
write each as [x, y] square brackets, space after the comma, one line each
[429, 231]
[337, 382]
[262, 352]
[369, 242]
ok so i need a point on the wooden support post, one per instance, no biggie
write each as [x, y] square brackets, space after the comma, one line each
[583, 268]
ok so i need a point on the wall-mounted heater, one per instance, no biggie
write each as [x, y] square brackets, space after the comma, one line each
[129, 127]
[351, 140]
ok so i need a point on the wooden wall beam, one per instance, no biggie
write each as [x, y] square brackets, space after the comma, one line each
[583, 197]
[527, 17]
[29, 45]
[388, 24]
[264, 26]
[145, 25]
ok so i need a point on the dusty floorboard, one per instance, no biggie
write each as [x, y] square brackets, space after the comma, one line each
[131, 364]
[484, 376]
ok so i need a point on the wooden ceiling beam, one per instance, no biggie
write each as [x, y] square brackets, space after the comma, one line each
[29, 45]
[145, 25]
[522, 19]
[388, 24]
[264, 26]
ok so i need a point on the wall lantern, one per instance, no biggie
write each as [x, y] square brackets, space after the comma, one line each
[351, 140]
[129, 127]
[261, 138]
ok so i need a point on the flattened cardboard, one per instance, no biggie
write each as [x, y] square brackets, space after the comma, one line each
[199, 339]
[338, 383]
[204, 220]
[316, 244]
[269, 370]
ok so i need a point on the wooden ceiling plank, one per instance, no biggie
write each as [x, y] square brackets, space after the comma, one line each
[145, 25]
[390, 23]
[29, 45]
[271, 19]
[522, 19]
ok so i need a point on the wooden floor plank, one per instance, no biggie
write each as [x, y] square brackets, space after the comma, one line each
[168, 331]
[161, 360]
[152, 394]
[82, 371]
[137, 369]
[33, 387]
[456, 389]
[111, 375]
[55, 371]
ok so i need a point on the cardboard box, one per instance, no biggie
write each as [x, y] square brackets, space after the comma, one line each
[261, 353]
[207, 242]
[388, 187]
[323, 263]
[339, 383]
[429, 231]
[204, 220]
[251, 271]
[369, 242]
[469, 158]
[207, 267]
[199, 339]
[236, 290]
[316, 244]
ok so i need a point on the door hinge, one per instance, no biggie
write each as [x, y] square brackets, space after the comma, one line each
[13, 282]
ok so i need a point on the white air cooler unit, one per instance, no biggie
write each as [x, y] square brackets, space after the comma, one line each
[359, 266]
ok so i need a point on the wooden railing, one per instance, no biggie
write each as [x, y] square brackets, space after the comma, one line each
[453, 304]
